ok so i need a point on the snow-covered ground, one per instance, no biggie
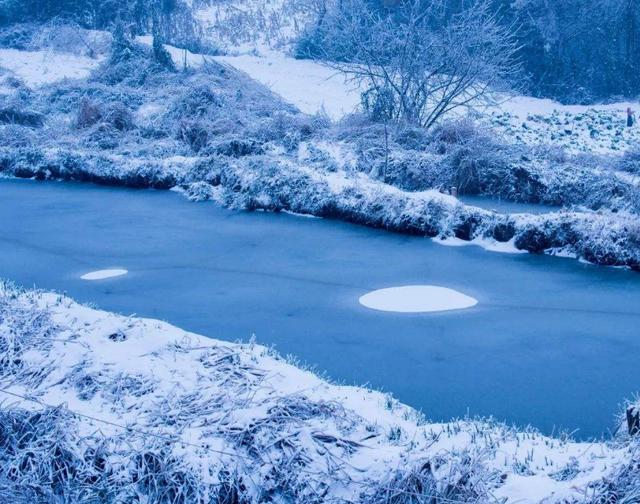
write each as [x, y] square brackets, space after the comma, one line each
[577, 128]
[37, 68]
[309, 85]
[219, 406]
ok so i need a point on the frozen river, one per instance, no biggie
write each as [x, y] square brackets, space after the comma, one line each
[552, 342]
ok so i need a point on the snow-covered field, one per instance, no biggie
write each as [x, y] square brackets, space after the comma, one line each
[599, 129]
[214, 411]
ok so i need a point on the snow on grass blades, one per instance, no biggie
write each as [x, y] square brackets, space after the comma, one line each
[98, 407]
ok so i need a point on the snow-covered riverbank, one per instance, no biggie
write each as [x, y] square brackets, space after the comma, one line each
[214, 133]
[145, 409]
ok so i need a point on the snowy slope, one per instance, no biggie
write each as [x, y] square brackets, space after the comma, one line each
[308, 85]
[242, 408]
[37, 68]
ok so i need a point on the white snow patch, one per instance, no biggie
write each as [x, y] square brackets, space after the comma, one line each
[417, 299]
[37, 68]
[310, 86]
[303, 215]
[489, 244]
[148, 110]
[102, 274]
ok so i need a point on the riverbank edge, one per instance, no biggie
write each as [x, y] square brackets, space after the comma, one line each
[277, 184]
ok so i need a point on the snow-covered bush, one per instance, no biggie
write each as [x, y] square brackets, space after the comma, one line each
[15, 136]
[89, 113]
[19, 116]
[68, 37]
[194, 133]
[119, 116]
[630, 161]
[634, 199]
[113, 114]
[464, 155]
[198, 102]
[18, 35]
[129, 63]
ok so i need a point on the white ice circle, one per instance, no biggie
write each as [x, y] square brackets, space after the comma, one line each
[417, 299]
[102, 274]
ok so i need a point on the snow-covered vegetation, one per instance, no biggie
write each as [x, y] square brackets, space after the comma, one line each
[244, 25]
[99, 407]
[212, 131]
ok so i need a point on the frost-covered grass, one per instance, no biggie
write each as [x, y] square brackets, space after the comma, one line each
[121, 409]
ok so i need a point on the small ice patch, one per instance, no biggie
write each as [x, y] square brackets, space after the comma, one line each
[417, 299]
[102, 274]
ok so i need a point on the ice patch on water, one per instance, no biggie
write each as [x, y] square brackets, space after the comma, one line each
[102, 274]
[417, 299]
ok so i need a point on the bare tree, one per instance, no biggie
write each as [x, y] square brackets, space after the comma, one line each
[418, 61]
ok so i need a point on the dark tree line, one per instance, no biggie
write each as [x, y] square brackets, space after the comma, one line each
[571, 50]
[89, 13]
[578, 50]
[170, 19]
